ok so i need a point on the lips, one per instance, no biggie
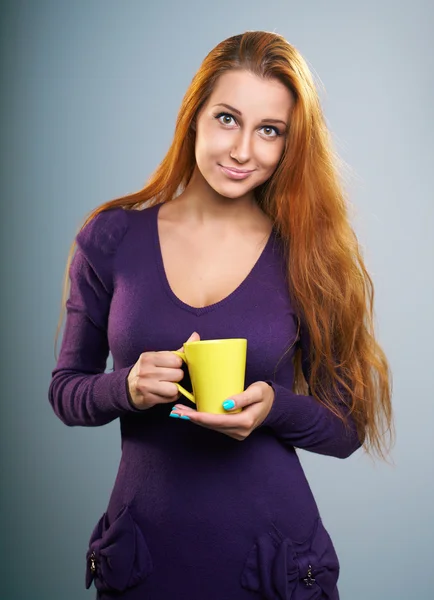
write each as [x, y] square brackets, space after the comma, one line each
[237, 170]
[235, 173]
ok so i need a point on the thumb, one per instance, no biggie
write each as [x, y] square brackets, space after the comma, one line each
[195, 337]
[251, 395]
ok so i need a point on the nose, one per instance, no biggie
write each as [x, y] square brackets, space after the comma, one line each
[241, 150]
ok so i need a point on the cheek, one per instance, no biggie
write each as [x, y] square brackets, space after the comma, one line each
[269, 157]
[276, 150]
[210, 142]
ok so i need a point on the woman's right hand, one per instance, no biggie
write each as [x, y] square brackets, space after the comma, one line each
[151, 380]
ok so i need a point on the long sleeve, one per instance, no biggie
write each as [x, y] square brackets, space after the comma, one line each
[303, 422]
[80, 392]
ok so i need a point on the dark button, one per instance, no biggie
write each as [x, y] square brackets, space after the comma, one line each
[92, 559]
[309, 580]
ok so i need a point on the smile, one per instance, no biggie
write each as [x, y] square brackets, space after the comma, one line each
[233, 174]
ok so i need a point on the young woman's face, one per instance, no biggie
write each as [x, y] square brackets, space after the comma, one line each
[242, 126]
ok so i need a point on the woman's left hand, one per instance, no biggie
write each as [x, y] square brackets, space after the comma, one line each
[256, 402]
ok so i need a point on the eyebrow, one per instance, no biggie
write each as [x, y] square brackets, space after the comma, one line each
[235, 110]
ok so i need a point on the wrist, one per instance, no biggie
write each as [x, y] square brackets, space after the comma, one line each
[129, 395]
[268, 392]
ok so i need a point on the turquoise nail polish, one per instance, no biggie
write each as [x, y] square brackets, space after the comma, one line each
[228, 404]
[185, 417]
[174, 415]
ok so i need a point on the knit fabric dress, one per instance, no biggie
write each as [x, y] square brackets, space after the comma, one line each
[194, 514]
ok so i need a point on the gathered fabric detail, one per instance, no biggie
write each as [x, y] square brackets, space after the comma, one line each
[118, 557]
[283, 569]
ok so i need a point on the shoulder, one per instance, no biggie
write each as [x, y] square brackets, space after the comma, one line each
[103, 234]
[99, 240]
[97, 244]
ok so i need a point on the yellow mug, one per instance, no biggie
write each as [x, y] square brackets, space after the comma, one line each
[217, 371]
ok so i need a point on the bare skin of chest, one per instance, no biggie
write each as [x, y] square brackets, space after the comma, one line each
[206, 267]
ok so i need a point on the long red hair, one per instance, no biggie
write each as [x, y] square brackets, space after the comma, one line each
[328, 281]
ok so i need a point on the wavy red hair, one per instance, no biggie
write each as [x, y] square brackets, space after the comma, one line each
[328, 281]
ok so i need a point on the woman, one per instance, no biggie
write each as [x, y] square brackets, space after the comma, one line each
[242, 231]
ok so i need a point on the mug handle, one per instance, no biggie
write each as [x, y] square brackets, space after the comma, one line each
[180, 388]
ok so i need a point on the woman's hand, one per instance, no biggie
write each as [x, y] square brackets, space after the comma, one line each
[256, 402]
[151, 380]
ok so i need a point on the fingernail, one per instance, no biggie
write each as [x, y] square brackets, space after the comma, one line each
[228, 404]
[185, 417]
[174, 415]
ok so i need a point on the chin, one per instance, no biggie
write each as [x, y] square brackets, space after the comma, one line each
[230, 194]
[230, 189]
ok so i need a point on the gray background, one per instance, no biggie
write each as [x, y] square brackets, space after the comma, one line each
[90, 92]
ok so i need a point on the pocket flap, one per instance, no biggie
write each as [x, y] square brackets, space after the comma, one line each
[118, 557]
[283, 569]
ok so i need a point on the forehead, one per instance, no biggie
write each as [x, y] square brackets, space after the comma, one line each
[249, 93]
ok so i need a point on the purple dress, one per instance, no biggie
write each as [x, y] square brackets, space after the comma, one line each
[194, 514]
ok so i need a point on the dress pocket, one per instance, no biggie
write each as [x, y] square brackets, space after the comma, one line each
[283, 569]
[118, 557]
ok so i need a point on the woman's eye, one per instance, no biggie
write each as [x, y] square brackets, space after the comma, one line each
[272, 130]
[225, 115]
[226, 118]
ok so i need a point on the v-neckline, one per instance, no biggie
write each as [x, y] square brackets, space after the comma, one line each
[184, 305]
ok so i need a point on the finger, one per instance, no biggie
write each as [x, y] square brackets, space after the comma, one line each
[167, 359]
[163, 374]
[212, 421]
[165, 389]
[203, 419]
[157, 399]
[237, 432]
[251, 395]
[195, 337]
